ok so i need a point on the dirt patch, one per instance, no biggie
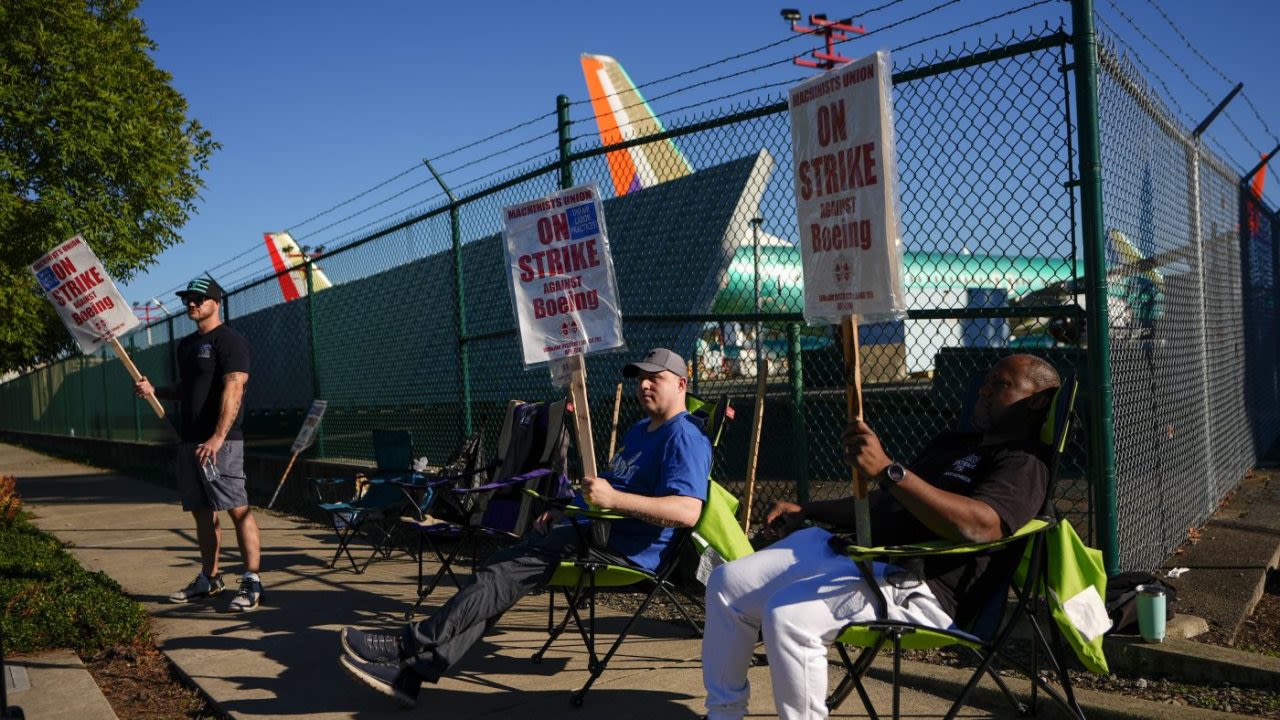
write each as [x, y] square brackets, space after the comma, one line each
[141, 684]
[1262, 630]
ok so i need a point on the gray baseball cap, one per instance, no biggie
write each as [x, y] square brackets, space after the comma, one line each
[657, 360]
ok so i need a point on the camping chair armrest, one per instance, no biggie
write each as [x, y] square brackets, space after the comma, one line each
[563, 505]
[945, 547]
[424, 481]
[452, 476]
[326, 487]
[593, 514]
[516, 480]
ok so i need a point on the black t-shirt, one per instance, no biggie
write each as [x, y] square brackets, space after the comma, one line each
[203, 363]
[1011, 478]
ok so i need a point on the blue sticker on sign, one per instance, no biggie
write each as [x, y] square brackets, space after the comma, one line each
[582, 221]
[47, 279]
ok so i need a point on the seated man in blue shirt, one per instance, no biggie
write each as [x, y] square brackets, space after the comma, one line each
[658, 478]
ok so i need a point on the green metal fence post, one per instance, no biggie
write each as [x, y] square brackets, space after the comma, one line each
[316, 391]
[562, 133]
[106, 396]
[460, 300]
[137, 408]
[799, 432]
[1102, 466]
[86, 427]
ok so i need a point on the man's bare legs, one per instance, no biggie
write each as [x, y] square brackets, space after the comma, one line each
[247, 537]
[209, 536]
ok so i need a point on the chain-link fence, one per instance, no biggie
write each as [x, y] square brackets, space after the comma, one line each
[1191, 307]
[417, 331]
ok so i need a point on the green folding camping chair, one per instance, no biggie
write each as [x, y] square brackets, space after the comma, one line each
[717, 534]
[986, 633]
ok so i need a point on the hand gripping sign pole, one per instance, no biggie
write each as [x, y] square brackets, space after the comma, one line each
[563, 291]
[88, 302]
[133, 373]
[306, 434]
[846, 194]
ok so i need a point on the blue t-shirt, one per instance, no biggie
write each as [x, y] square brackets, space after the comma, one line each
[673, 459]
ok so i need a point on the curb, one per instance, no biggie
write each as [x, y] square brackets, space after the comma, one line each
[949, 682]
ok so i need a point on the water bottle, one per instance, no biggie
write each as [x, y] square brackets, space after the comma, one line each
[210, 471]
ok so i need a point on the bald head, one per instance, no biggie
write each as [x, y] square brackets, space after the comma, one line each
[1035, 370]
[1015, 396]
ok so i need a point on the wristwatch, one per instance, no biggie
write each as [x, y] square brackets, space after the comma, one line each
[893, 474]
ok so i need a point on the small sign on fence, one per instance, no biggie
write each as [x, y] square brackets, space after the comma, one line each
[307, 433]
[85, 297]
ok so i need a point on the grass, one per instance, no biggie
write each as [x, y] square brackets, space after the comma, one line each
[48, 601]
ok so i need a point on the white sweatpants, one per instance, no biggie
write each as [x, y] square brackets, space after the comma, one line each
[801, 593]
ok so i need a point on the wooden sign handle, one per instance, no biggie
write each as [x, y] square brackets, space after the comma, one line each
[613, 431]
[753, 445]
[853, 401]
[133, 373]
[582, 417]
[853, 386]
[280, 484]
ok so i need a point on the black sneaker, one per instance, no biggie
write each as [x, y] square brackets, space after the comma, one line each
[386, 678]
[198, 589]
[248, 597]
[371, 647]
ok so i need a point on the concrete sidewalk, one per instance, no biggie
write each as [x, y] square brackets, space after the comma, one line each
[281, 660]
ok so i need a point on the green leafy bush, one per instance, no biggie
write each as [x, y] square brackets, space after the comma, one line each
[48, 601]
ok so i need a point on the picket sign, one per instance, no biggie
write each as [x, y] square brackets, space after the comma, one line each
[88, 302]
[563, 292]
[842, 140]
[306, 435]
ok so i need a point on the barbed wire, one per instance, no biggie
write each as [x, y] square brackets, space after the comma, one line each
[544, 116]
[532, 121]
[785, 60]
[402, 211]
[708, 101]
[1185, 74]
[1136, 57]
[348, 201]
[975, 24]
[1173, 26]
[729, 58]
[427, 181]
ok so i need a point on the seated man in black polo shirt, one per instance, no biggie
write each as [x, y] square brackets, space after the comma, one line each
[973, 487]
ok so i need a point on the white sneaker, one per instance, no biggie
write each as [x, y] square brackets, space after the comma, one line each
[249, 595]
[198, 589]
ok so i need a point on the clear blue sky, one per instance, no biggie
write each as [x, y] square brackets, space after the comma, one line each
[317, 101]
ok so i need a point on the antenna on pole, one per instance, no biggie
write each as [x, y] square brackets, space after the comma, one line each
[832, 31]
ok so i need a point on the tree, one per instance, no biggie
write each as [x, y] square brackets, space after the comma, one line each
[93, 140]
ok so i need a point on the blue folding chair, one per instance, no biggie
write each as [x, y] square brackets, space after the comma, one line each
[377, 499]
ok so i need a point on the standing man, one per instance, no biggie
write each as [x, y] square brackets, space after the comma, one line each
[213, 368]
[659, 478]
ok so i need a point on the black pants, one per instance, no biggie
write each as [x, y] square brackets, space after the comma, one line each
[440, 641]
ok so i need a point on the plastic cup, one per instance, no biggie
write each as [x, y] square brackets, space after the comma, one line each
[1151, 613]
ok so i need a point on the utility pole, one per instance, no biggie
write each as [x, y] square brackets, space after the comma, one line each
[832, 31]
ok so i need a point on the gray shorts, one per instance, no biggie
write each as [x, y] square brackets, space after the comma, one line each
[224, 490]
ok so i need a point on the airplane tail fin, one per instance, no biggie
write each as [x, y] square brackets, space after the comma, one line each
[286, 255]
[622, 114]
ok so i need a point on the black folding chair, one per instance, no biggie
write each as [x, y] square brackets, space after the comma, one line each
[489, 502]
